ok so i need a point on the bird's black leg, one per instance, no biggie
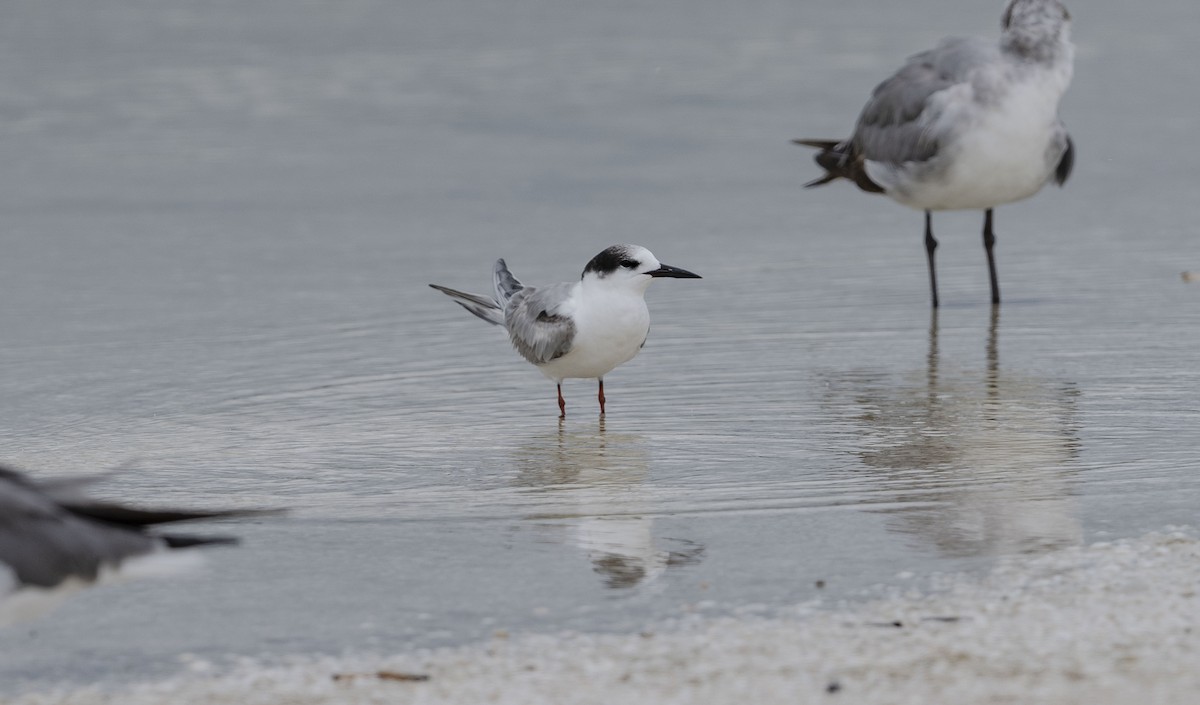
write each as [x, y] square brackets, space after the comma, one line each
[930, 246]
[600, 396]
[562, 403]
[989, 242]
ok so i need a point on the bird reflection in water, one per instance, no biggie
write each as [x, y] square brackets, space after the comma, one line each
[593, 495]
[974, 464]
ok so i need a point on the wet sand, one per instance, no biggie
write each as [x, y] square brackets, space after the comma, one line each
[1112, 623]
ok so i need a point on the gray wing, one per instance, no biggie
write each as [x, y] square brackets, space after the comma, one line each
[894, 126]
[537, 324]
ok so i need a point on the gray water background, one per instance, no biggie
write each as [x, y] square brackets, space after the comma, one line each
[218, 220]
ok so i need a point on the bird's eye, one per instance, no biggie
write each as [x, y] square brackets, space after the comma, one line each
[630, 263]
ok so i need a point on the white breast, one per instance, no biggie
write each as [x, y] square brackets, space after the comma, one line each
[610, 327]
[995, 152]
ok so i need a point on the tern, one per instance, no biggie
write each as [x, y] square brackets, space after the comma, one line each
[580, 329]
[969, 125]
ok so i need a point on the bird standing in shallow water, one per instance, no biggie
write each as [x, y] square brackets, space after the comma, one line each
[969, 125]
[580, 329]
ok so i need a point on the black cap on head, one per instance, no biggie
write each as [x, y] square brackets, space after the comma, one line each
[610, 260]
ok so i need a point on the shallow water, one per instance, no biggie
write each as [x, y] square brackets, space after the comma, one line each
[218, 231]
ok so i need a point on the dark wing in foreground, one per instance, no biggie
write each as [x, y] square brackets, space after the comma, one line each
[44, 541]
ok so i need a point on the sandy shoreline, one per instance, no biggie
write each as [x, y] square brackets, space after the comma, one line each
[1110, 623]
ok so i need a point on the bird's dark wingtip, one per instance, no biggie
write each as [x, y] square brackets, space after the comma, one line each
[817, 144]
[131, 516]
[821, 181]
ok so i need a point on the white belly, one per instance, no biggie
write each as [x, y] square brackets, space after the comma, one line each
[1004, 159]
[607, 334]
[995, 154]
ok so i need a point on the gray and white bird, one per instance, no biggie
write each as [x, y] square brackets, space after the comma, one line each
[580, 329]
[54, 540]
[969, 125]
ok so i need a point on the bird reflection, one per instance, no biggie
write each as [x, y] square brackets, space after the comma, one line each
[974, 464]
[596, 480]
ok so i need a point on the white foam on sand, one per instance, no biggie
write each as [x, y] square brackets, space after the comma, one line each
[1111, 623]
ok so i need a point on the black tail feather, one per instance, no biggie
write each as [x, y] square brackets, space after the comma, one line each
[839, 161]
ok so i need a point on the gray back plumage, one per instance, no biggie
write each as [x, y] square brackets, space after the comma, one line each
[894, 126]
[537, 324]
